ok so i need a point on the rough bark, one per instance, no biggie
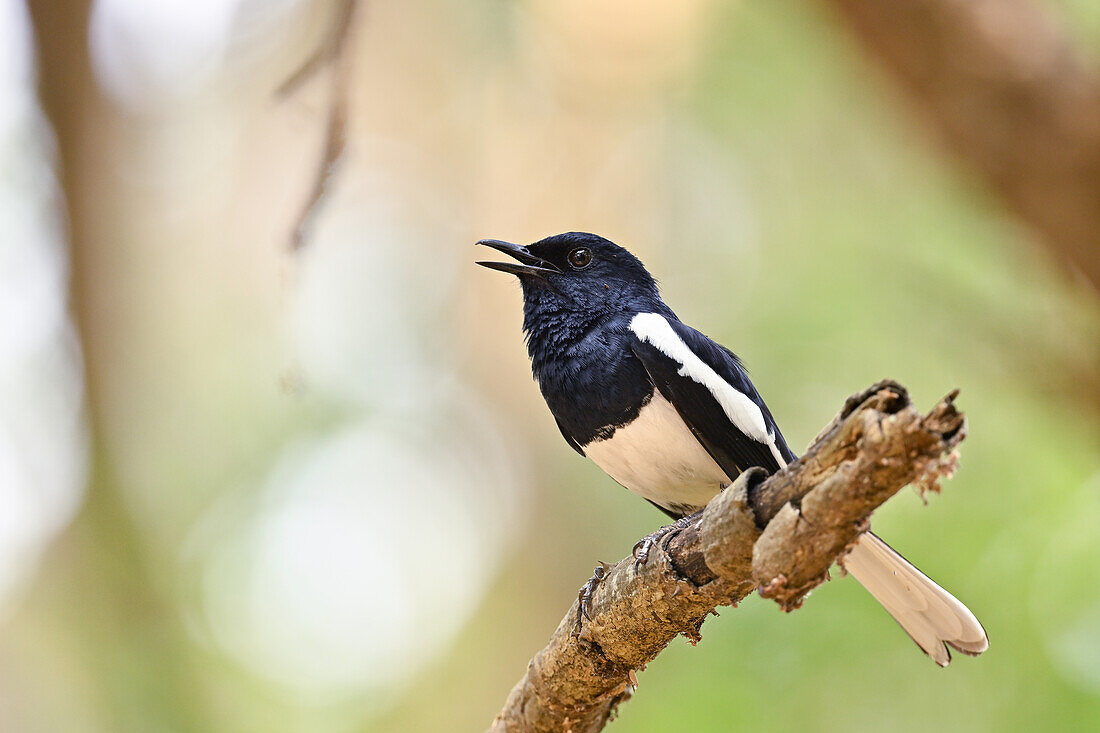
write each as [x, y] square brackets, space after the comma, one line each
[1006, 91]
[779, 533]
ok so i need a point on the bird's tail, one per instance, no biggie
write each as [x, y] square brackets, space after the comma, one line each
[932, 617]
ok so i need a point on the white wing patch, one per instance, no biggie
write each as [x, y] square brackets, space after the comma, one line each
[741, 411]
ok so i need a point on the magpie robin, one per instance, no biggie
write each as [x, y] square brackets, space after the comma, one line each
[672, 415]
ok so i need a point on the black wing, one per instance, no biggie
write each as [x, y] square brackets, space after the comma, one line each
[732, 449]
[568, 438]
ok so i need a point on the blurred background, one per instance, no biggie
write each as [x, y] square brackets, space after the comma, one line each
[273, 466]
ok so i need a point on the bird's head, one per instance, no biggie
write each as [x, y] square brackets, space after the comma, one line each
[578, 273]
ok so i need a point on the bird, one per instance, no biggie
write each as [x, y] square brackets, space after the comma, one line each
[672, 415]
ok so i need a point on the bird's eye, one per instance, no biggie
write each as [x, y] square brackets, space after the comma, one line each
[580, 258]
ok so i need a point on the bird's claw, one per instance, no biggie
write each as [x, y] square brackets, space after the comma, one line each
[663, 536]
[640, 553]
[584, 595]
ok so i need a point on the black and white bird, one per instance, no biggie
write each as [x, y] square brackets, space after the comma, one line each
[672, 416]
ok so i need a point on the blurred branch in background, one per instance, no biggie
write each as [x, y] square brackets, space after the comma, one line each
[1008, 93]
[779, 533]
[336, 51]
[128, 631]
[229, 554]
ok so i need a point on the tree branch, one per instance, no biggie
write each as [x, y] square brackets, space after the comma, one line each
[1006, 91]
[778, 533]
[338, 51]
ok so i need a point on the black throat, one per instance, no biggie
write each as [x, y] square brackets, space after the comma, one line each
[588, 374]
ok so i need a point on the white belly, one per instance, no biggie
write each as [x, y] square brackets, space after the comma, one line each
[658, 457]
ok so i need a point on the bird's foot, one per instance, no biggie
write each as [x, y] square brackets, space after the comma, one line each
[644, 546]
[584, 596]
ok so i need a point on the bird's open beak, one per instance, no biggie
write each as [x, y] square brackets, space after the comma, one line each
[528, 264]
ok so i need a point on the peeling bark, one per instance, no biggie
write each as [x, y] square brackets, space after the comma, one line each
[779, 533]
